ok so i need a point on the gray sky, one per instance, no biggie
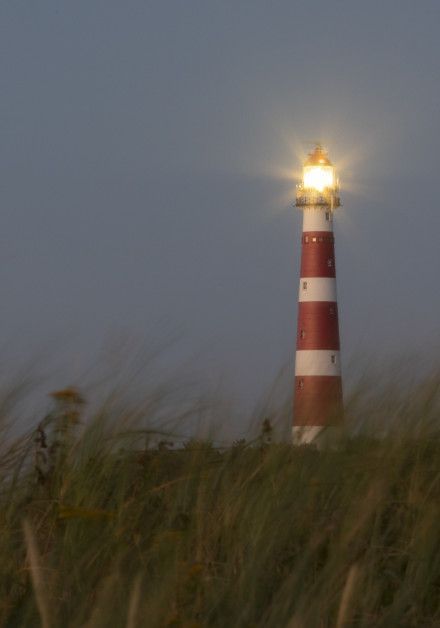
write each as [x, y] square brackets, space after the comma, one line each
[147, 160]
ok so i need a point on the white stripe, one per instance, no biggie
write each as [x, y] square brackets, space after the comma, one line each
[305, 434]
[317, 219]
[317, 289]
[317, 362]
[323, 437]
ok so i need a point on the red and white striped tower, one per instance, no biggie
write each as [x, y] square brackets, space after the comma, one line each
[318, 384]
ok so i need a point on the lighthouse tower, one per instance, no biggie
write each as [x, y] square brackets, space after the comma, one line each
[318, 384]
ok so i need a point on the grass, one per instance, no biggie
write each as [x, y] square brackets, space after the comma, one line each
[105, 524]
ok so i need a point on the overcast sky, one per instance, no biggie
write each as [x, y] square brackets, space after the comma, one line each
[147, 160]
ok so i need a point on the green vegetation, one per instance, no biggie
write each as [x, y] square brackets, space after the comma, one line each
[102, 525]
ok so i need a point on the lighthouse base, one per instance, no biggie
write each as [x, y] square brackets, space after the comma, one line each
[319, 436]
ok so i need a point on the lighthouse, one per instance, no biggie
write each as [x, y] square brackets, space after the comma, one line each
[318, 384]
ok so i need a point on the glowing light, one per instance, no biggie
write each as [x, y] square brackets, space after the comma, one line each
[318, 177]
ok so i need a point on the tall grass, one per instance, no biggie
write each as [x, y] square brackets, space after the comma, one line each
[106, 524]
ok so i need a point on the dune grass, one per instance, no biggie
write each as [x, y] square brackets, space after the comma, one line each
[102, 525]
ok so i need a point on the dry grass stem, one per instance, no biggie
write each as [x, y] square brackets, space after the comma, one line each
[346, 606]
[37, 575]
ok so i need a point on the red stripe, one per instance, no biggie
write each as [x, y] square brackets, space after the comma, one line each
[318, 401]
[318, 254]
[320, 236]
[317, 325]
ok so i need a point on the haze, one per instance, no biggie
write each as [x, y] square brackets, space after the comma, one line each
[147, 161]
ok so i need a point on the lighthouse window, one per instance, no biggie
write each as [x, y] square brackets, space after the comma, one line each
[333, 359]
[304, 285]
[301, 383]
[329, 262]
[332, 311]
[306, 238]
[327, 215]
[302, 333]
[313, 239]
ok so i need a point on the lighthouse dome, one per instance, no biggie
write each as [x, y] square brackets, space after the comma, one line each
[318, 157]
